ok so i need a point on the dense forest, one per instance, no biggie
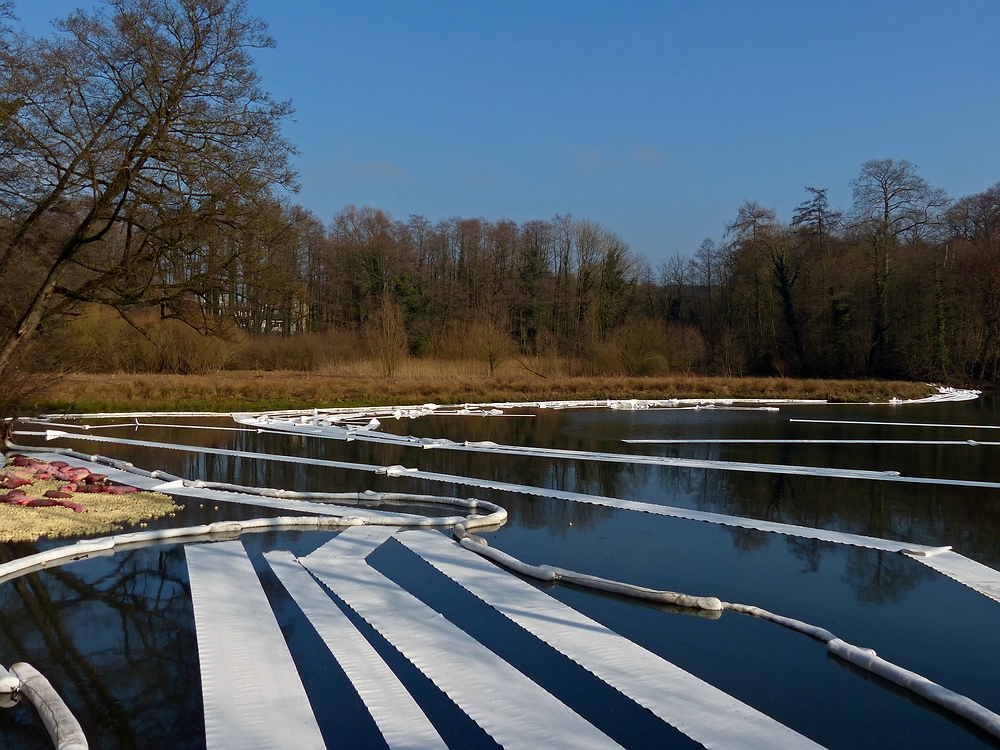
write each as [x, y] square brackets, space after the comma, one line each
[143, 171]
[904, 283]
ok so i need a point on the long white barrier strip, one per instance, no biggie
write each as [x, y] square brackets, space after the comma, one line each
[157, 483]
[798, 441]
[899, 424]
[372, 436]
[402, 724]
[663, 510]
[688, 463]
[717, 465]
[975, 575]
[135, 425]
[61, 435]
[253, 695]
[514, 710]
[699, 710]
[986, 581]
[140, 414]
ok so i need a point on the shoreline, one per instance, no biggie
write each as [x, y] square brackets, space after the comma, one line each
[234, 391]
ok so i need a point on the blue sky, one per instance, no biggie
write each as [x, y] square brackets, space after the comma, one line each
[657, 119]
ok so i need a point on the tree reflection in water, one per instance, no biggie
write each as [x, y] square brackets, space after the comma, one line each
[923, 514]
[115, 636]
[878, 577]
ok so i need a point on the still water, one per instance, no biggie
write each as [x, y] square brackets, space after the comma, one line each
[116, 634]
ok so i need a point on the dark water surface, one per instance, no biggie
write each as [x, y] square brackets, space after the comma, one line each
[116, 634]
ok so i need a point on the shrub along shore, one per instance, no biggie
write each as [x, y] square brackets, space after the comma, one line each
[420, 382]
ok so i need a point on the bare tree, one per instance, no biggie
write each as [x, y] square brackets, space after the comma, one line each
[752, 232]
[489, 335]
[892, 203]
[974, 238]
[132, 139]
[386, 335]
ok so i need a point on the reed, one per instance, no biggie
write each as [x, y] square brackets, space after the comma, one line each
[419, 381]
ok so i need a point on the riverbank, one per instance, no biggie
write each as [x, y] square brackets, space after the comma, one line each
[256, 390]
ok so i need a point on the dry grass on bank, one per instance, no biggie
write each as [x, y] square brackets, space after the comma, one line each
[423, 381]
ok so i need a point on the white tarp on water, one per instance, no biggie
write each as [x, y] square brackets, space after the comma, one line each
[513, 709]
[699, 710]
[253, 695]
[975, 575]
[402, 724]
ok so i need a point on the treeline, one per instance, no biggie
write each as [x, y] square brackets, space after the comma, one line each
[542, 287]
[903, 283]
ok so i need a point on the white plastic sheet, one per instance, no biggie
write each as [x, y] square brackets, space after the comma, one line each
[514, 710]
[402, 724]
[253, 695]
[699, 710]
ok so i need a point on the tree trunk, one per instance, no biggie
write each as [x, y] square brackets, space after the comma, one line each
[29, 323]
